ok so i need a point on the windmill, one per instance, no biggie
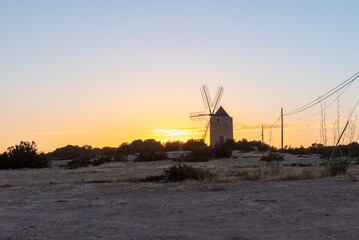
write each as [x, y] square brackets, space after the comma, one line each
[210, 107]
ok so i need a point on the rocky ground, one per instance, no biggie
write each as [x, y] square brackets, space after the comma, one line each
[106, 202]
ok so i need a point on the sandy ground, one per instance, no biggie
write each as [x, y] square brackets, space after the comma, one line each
[101, 203]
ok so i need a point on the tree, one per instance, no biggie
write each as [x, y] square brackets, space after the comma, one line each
[24, 155]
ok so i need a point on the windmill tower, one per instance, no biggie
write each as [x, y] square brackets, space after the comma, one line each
[219, 123]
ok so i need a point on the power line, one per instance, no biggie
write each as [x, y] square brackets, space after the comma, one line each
[326, 107]
[325, 96]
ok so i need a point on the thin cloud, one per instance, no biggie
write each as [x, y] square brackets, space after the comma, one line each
[59, 132]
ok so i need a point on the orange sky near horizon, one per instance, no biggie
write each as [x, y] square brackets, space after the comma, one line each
[102, 73]
[295, 135]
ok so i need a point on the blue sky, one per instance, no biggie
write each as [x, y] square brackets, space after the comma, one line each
[104, 72]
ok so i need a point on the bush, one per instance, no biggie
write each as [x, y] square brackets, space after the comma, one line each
[182, 172]
[24, 155]
[200, 154]
[149, 145]
[272, 157]
[246, 146]
[150, 156]
[173, 146]
[69, 152]
[81, 161]
[101, 160]
[222, 151]
[337, 166]
[87, 160]
[193, 144]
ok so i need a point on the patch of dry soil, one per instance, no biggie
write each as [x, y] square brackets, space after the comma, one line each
[96, 203]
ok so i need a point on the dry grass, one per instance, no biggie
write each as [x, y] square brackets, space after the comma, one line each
[275, 173]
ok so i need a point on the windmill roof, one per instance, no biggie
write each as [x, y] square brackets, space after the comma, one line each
[221, 113]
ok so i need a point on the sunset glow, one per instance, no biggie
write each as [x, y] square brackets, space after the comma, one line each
[116, 71]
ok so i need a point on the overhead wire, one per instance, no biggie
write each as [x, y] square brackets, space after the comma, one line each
[325, 96]
[326, 106]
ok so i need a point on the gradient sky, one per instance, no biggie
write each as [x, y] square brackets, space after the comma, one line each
[107, 72]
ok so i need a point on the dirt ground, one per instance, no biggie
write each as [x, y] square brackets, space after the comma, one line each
[104, 203]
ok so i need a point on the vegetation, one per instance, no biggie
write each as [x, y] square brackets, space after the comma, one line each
[337, 166]
[70, 152]
[24, 155]
[81, 161]
[139, 146]
[274, 173]
[151, 156]
[199, 154]
[248, 146]
[222, 151]
[173, 146]
[193, 144]
[271, 157]
[182, 172]
[350, 150]
[88, 160]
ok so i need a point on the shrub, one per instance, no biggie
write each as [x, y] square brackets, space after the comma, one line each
[150, 156]
[193, 144]
[24, 155]
[246, 146]
[87, 160]
[222, 151]
[173, 146]
[272, 157]
[337, 166]
[81, 161]
[101, 160]
[70, 152]
[182, 172]
[149, 145]
[200, 154]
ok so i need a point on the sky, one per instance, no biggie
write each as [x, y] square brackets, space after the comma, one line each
[106, 72]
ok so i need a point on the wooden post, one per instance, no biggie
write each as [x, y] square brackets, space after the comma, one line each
[262, 135]
[281, 116]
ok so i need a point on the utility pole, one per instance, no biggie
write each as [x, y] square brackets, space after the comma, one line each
[262, 134]
[281, 116]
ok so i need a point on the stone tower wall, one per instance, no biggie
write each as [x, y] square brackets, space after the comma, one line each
[221, 128]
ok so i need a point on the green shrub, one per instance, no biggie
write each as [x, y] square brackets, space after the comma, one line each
[337, 166]
[173, 145]
[200, 154]
[193, 144]
[81, 161]
[222, 151]
[272, 157]
[87, 160]
[182, 172]
[150, 156]
[101, 160]
[24, 155]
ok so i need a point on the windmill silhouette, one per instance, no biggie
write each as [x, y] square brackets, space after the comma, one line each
[210, 106]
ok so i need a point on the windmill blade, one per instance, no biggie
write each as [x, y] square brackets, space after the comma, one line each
[206, 98]
[206, 130]
[198, 116]
[217, 98]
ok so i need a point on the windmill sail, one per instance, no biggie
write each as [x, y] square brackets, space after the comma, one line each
[209, 106]
[217, 98]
